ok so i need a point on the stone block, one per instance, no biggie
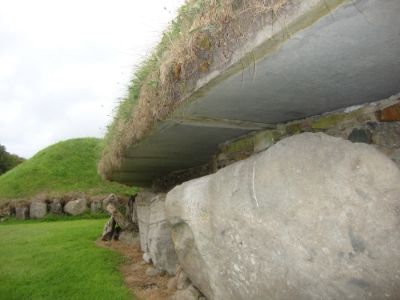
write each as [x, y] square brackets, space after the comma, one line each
[76, 207]
[21, 213]
[37, 210]
[312, 217]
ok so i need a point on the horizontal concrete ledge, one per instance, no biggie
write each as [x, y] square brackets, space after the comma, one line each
[201, 121]
[338, 54]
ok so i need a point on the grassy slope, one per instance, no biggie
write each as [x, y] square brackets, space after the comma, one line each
[58, 261]
[68, 166]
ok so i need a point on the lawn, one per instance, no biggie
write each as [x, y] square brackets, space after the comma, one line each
[58, 260]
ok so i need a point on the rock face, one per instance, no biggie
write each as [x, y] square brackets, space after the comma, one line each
[143, 201]
[21, 213]
[313, 217]
[129, 237]
[76, 207]
[110, 199]
[37, 210]
[95, 206]
[56, 207]
[155, 231]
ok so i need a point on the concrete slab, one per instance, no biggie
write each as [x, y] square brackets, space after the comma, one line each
[349, 56]
[172, 146]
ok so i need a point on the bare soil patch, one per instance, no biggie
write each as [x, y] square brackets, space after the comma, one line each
[134, 272]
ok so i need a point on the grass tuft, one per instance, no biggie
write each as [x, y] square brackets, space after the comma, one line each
[202, 39]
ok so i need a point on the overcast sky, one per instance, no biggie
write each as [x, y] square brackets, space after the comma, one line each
[64, 64]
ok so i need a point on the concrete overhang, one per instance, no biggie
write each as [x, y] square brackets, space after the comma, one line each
[345, 54]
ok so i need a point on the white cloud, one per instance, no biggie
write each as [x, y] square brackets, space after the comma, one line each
[64, 64]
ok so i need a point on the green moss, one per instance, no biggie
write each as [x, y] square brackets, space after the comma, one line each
[293, 128]
[328, 121]
[242, 145]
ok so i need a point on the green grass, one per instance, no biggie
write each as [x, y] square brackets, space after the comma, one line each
[68, 166]
[58, 260]
[55, 218]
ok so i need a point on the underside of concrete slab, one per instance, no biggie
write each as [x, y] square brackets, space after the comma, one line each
[346, 56]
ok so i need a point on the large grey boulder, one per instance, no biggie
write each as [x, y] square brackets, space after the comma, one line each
[313, 217]
[155, 231]
[37, 210]
[76, 207]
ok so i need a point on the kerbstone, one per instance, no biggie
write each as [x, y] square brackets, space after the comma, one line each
[37, 210]
[313, 217]
[21, 213]
[76, 207]
[56, 207]
[95, 206]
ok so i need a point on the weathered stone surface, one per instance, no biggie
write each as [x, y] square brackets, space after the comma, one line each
[359, 135]
[389, 114]
[122, 222]
[21, 213]
[132, 210]
[161, 247]
[190, 293]
[110, 199]
[265, 139]
[155, 231]
[172, 283]
[143, 201]
[95, 206]
[55, 207]
[5, 211]
[146, 257]
[387, 135]
[37, 210]
[76, 207]
[313, 217]
[108, 230]
[183, 281]
[151, 272]
[129, 237]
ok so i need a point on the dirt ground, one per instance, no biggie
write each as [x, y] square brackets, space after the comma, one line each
[134, 272]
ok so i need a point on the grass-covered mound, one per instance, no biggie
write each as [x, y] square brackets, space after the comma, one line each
[68, 166]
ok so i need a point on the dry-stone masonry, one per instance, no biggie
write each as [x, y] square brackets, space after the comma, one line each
[76, 207]
[313, 217]
[38, 210]
[155, 231]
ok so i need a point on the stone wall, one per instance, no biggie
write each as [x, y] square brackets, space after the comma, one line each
[376, 123]
[40, 206]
